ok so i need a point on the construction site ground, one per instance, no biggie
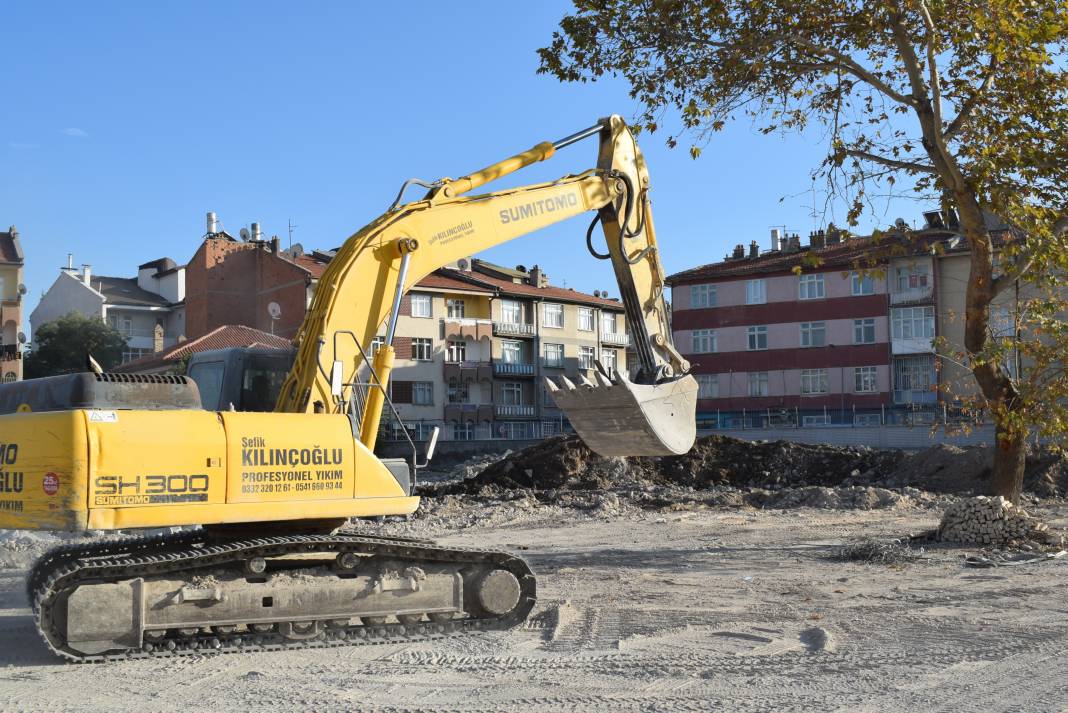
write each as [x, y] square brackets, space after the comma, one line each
[657, 597]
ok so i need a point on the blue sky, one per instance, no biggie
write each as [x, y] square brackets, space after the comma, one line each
[125, 122]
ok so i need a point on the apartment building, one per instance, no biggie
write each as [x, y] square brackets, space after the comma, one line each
[798, 335]
[12, 290]
[148, 309]
[475, 340]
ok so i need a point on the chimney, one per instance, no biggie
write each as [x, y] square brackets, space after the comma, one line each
[834, 236]
[793, 243]
[256, 233]
[776, 239]
[817, 239]
[739, 252]
[754, 249]
[276, 245]
[87, 273]
[213, 223]
[537, 277]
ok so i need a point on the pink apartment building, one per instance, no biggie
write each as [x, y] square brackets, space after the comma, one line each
[827, 346]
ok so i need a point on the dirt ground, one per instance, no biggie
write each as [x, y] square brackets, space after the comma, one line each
[718, 609]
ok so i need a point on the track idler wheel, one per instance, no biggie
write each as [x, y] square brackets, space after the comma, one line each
[498, 592]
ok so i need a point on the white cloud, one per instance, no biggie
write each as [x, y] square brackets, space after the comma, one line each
[76, 132]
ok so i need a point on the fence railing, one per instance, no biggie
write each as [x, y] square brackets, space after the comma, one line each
[517, 329]
[513, 368]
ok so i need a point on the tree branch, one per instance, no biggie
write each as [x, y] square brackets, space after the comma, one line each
[892, 163]
[932, 67]
[1002, 283]
[850, 65]
[971, 102]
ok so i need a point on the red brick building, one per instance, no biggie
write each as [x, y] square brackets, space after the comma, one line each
[229, 281]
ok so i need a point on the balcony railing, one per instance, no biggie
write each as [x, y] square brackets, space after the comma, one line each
[468, 370]
[514, 411]
[616, 338]
[9, 352]
[464, 327]
[512, 368]
[513, 329]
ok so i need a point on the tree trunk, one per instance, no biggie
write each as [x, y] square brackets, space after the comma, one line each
[1010, 458]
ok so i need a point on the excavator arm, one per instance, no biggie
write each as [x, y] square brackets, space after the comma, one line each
[653, 414]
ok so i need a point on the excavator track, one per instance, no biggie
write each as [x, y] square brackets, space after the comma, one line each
[188, 559]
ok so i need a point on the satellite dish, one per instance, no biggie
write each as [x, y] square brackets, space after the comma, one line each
[22, 337]
[22, 289]
[244, 234]
[900, 223]
[297, 250]
[275, 310]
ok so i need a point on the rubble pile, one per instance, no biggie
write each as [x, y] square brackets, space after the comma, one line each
[992, 521]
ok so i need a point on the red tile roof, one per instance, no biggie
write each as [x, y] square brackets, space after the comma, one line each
[315, 267]
[229, 335]
[440, 281]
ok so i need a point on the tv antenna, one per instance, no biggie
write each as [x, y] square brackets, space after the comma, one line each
[291, 226]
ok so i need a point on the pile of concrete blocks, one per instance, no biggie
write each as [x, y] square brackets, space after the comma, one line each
[992, 521]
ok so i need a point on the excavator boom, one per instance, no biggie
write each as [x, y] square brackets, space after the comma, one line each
[650, 412]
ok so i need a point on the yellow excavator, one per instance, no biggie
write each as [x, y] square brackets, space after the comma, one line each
[270, 565]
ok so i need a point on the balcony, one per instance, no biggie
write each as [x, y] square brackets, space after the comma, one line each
[513, 329]
[460, 370]
[9, 352]
[469, 412]
[514, 411]
[464, 328]
[512, 368]
[615, 338]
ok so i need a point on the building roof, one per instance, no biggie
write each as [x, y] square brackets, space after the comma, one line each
[308, 263]
[163, 264]
[549, 292]
[10, 249]
[124, 291]
[224, 337]
[443, 280]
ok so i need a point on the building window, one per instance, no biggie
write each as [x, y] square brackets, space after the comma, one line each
[810, 287]
[554, 355]
[132, 353]
[609, 360]
[704, 341]
[911, 277]
[864, 331]
[459, 391]
[707, 386]
[914, 379]
[813, 334]
[423, 393]
[865, 380]
[868, 419]
[421, 306]
[863, 284]
[457, 308]
[913, 323]
[758, 338]
[422, 348]
[758, 383]
[587, 355]
[376, 344]
[755, 292]
[463, 431]
[585, 319]
[122, 323]
[553, 316]
[608, 322]
[702, 296]
[10, 377]
[510, 312]
[819, 419]
[512, 393]
[813, 381]
[457, 350]
[511, 351]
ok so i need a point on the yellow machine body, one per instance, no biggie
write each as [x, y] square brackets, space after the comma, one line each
[106, 470]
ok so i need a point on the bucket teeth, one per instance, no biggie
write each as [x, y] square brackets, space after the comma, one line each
[602, 379]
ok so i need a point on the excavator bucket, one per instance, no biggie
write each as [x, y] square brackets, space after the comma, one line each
[616, 417]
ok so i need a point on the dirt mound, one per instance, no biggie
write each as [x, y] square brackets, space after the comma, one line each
[566, 463]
